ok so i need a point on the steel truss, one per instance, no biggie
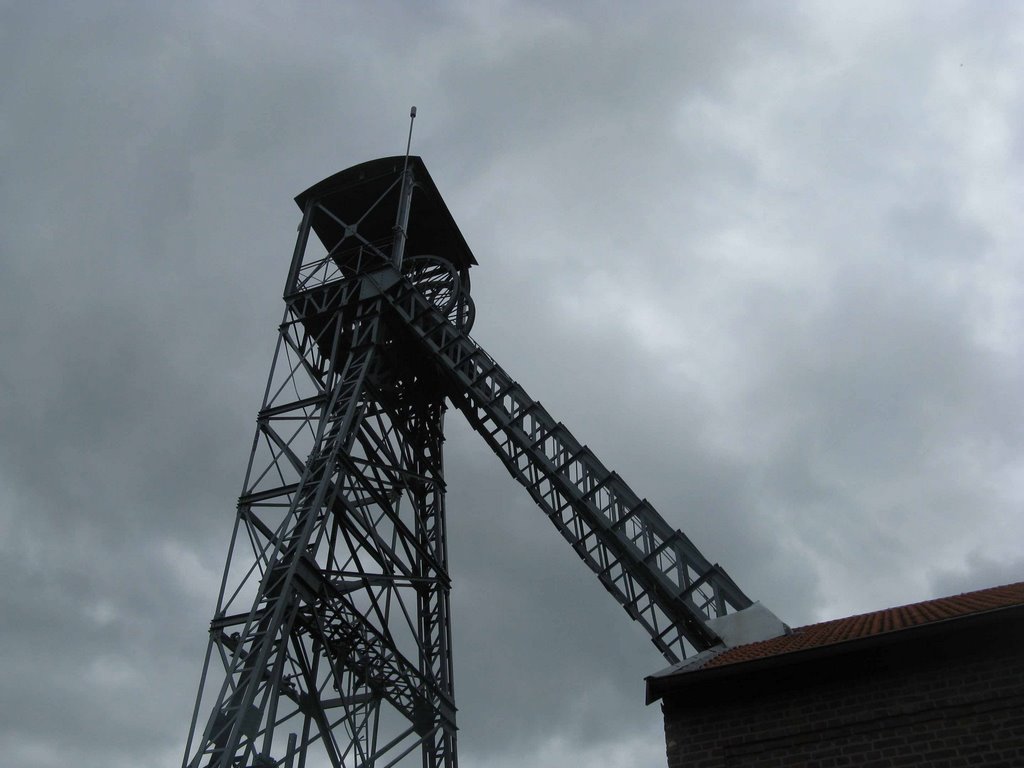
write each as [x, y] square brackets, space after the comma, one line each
[332, 626]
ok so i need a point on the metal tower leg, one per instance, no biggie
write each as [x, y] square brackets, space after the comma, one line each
[332, 625]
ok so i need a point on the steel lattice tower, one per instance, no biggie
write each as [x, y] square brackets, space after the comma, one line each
[332, 636]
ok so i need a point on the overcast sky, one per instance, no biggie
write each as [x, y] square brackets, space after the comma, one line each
[765, 259]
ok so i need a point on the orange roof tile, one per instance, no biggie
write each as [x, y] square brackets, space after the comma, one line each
[876, 623]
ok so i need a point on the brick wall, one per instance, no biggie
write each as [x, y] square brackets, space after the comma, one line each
[952, 698]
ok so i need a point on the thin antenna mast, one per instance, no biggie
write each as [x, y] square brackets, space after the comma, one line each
[408, 144]
[402, 220]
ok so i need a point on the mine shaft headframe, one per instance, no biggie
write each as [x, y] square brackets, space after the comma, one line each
[332, 622]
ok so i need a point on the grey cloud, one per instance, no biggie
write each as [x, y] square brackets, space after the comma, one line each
[753, 257]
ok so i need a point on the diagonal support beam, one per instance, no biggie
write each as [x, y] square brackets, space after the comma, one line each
[656, 573]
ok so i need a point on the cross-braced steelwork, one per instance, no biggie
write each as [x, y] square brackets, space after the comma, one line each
[331, 639]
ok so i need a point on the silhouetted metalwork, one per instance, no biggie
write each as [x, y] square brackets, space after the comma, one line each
[331, 641]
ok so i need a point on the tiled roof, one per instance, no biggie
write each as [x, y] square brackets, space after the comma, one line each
[871, 624]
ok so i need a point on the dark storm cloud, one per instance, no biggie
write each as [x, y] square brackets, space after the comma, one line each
[762, 260]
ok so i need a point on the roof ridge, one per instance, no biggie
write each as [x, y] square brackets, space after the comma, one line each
[924, 604]
[873, 623]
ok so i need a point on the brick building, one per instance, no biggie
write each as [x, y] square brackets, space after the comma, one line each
[938, 683]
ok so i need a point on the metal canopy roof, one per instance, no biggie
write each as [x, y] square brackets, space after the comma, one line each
[366, 195]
